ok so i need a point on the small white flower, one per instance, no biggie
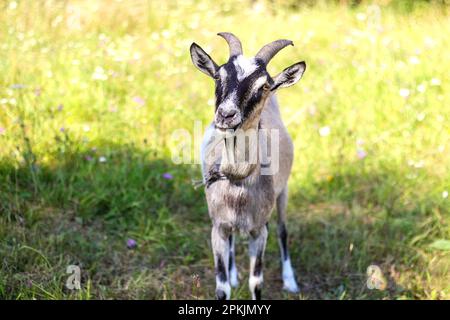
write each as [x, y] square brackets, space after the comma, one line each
[421, 88]
[102, 159]
[12, 5]
[86, 128]
[421, 116]
[429, 42]
[414, 60]
[435, 82]
[99, 74]
[154, 36]
[166, 34]
[445, 194]
[361, 16]
[136, 55]
[419, 164]
[404, 92]
[401, 64]
[324, 131]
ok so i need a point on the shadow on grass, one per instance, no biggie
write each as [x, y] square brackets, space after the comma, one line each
[82, 209]
[354, 219]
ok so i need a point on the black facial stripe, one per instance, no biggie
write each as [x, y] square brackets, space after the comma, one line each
[252, 103]
[223, 88]
[246, 86]
[246, 100]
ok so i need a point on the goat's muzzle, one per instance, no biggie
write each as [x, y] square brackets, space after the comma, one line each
[227, 119]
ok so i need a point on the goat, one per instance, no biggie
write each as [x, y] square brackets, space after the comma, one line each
[240, 196]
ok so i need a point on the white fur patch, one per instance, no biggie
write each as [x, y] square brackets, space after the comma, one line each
[244, 66]
[261, 80]
[234, 276]
[224, 286]
[259, 83]
[223, 73]
[229, 103]
[254, 281]
[223, 76]
[289, 282]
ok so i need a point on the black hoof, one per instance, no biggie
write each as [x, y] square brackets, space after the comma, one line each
[220, 295]
[258, 293]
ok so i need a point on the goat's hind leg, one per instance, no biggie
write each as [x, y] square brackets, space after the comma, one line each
[221, 250]
[234, 281]
[257, 245]
[289, 282]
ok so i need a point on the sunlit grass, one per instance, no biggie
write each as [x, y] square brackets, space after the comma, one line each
[91, 91]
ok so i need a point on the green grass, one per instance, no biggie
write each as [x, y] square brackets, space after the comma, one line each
[81, 80]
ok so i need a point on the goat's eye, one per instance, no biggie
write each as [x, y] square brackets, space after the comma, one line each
[216, 76]
[266, 87]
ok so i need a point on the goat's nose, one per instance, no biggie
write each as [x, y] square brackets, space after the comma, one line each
[227, 114]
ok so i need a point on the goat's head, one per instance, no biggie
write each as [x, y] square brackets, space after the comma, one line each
[243, 85]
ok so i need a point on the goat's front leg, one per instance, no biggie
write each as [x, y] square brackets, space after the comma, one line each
[289, 282]
[257, 245]
[221, 250]
[234, 278]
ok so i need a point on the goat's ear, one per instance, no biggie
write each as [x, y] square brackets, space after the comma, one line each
[289, 76]
[203, 61]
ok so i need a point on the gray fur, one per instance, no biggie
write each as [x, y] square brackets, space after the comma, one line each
[240, 198]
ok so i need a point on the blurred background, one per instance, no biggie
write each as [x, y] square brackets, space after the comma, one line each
[91, 92]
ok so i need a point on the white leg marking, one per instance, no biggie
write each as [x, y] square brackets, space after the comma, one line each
[256, 248]
[289, 282]
[221, 250]
[224, 286]
[234, 279]
[253, 282]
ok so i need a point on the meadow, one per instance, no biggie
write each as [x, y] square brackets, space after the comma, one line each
[91, 92]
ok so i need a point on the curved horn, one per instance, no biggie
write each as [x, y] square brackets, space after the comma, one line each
[270, 50]
[233, 42]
